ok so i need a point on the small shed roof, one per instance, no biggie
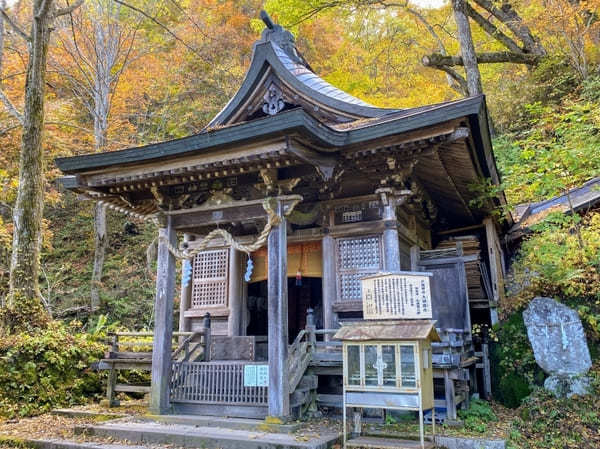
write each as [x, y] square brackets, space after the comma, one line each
[388, 330]
[578, 198]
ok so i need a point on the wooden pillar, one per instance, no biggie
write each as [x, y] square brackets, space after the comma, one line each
[495, 265]
[391, 243]
[415, 256]
[329, 283]
[163, 320]
[279, 394]
[245, 312]
[235, 293]
[186, 296]
[450, 396]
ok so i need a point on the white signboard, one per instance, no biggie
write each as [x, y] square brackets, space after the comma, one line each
[404, 295]
[262, 375]
[256, 375]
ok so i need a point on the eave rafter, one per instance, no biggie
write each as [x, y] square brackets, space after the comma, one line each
[199, 172]
[407, 151]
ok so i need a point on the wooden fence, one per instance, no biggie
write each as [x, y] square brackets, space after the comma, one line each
[214, 383]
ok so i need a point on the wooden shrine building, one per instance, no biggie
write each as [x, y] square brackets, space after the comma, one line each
[324, 189]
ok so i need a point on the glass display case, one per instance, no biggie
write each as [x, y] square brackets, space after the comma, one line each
[387, 364]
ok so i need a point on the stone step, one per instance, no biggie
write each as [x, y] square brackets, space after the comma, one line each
[78, 413]
[258, 425]
[66, 444]
[386, 443]
[206, 437]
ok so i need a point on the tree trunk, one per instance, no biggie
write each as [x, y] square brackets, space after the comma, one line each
[467, 49]
[2, 6]
[106, 48]
[29, 206]
[100, 244]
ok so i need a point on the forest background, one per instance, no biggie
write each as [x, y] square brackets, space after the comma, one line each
[122, 74]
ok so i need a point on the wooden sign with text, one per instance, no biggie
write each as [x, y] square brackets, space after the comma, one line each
[401, 295]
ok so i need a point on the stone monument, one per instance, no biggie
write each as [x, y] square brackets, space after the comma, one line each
[559, 346]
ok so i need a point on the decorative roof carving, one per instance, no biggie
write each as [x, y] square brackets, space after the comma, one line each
[281, 37]
[273, 100]
[275, 57]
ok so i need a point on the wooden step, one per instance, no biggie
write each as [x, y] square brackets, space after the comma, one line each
[330, 400]
[326, 359]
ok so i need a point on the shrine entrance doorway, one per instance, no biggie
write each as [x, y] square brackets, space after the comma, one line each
[303, 294]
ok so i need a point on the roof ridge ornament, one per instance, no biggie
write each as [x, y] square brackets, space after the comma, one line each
[281, 37]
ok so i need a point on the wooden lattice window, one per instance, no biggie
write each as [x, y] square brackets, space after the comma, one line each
[210, 279]
[356, 257]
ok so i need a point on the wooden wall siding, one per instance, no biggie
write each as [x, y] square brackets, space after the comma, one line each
[356, 257]
[210, 279]
[449, 295]
[214, 383]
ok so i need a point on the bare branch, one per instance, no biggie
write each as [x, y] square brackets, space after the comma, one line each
[14, 25]
[507, 15]
[67, 10]
[437, 60]
[10, 128]
[492, 29]
[160, 24]
[459, 83]
[11, 108]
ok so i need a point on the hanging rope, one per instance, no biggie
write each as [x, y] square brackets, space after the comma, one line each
[272, 220]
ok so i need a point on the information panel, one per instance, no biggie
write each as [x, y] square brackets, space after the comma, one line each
[403, 295]
[256, 375]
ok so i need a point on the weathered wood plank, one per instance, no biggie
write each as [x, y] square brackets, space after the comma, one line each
[232, 348]
[133, 388]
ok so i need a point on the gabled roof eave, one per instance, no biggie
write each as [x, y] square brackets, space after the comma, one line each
[264, 56]
[296, 121]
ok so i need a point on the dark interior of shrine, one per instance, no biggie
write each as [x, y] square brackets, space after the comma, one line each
[303, 293]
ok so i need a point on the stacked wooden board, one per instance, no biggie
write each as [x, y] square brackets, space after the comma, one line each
[476, 269]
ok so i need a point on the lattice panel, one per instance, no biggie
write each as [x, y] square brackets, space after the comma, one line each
[210, 279]
[356, 258]
[359, 253]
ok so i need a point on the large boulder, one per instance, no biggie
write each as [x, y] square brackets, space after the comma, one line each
[559, 345]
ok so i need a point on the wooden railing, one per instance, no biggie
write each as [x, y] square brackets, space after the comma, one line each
[299, 354]
[133, 350]
[214, 383]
